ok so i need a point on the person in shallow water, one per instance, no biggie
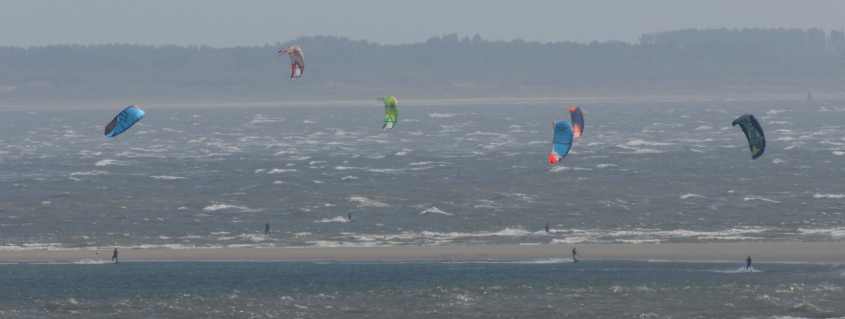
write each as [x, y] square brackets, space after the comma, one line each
[349, 217]
[547, 227]
[114, 256]
[574, 255]
[748, 263]
[267, 229]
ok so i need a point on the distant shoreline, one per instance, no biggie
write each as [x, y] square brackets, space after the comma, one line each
[110, 103]
[823, 252]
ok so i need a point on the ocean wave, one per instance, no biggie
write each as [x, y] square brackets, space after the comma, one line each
[435, 210]
[836, 232]
[280, 171]
[691, 195]
[561, 168]
[228, 207]
[167, 177]
[92, 262]
[828, 196]
[641, 142]
[760, 198]
[336, 219]
[362, 201]
[110, 162]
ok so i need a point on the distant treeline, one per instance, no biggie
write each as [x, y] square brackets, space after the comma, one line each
[448, 65]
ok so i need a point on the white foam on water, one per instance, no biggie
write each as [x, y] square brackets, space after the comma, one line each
[167, 177]
[435, 210]
[828, 196]
[740, 270]
[336, 219]
[760, 198]
[110, 162]
[403, 152]
[362, 201]
[349, 178]
[838, 153]
[641, 142]
[561, 168]
[606, 165]
[281, 171]
[691, 195]
[229, 207]
[836, 232]
[92, 262]
[261, 119]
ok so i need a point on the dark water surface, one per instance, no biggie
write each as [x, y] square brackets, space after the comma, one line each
[667, 172]
[531, 289]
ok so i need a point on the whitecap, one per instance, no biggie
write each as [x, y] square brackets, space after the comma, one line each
[362, 201]
[691, 195]
[92, 262]
[435, 210]
[167, 177]
[336, 219]
[836, 232]
[281, 170]
[109, 162]
[228, 207]
[760, 198]
[828, 196]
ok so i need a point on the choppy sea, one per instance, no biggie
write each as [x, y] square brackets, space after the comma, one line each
[476, 174]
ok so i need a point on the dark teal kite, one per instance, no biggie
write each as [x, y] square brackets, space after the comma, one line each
[754, 133]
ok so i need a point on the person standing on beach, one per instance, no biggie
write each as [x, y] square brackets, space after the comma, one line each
[267, 229]
[748, 263]
[574, 255]
[114, 256]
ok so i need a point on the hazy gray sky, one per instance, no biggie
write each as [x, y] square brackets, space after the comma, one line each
[250, 22]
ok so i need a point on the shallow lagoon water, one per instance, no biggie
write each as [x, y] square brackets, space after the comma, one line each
[528, 289]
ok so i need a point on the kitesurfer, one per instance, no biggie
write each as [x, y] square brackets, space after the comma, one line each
[114, 256]
[748, 263]
[574, 255]
[349, 217]
[547, 227]
[267, 229]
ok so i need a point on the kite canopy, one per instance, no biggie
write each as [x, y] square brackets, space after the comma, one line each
[124, 120]
[391, 112]
[561, 141]
[753, 133]
[577, 121]
[297, 60]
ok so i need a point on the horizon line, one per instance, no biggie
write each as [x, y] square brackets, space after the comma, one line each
[460, 37]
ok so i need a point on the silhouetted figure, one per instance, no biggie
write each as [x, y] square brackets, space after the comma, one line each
[547, 227]
[574, 255]
[748, 263]
[114, 256]
[349, 217]
[267, 229]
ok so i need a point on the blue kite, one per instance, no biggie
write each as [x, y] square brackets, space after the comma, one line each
[124, 120]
